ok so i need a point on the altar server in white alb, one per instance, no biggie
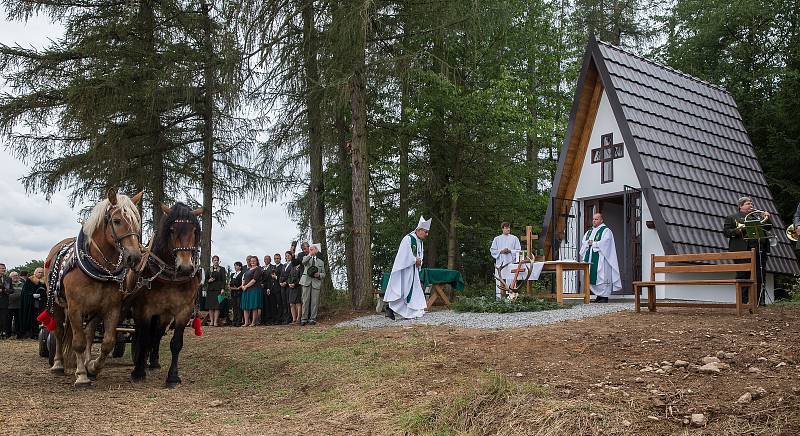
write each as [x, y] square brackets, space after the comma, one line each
[504, 251]
[597, 248]
[404, 293]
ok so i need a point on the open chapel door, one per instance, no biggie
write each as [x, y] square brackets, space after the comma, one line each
[566, 237]
[622, 214]
[633, 239]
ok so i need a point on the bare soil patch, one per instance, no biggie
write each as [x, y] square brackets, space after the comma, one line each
[600, 375]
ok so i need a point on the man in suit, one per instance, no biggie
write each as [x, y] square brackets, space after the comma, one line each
[281, 308]
[268, 279]
[311, 281]
[737, 242]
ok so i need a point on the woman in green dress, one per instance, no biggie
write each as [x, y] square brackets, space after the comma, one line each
[252, 300]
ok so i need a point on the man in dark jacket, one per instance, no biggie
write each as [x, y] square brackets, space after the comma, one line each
[5, 293]
[796, 223]
[281, 307]
[267, 271]
[737, 242]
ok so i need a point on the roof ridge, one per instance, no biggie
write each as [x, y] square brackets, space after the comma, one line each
[666, 67]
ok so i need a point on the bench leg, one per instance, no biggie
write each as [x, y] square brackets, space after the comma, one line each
[651, 298]
[739, 299]
[636, 293]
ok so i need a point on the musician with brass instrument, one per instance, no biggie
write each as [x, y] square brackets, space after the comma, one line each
[735, 230]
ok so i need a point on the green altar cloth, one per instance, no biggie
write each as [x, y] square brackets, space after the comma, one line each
[432, 276]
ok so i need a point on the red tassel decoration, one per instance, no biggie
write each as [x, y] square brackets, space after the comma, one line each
[198, 326]
[46, 320]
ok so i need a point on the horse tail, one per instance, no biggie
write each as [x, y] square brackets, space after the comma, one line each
[65, 342]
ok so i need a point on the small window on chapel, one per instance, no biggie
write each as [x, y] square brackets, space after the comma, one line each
[608, 171]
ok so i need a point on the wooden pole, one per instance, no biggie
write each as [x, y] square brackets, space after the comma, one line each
[529, 242]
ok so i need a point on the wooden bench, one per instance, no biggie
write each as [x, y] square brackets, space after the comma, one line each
[698, 264]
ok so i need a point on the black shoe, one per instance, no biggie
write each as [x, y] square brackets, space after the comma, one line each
[312, 322]
[303, 323]
[389, 312]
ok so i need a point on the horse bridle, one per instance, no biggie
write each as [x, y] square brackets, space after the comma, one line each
[195, 250]
[163, 268]
[117, 238]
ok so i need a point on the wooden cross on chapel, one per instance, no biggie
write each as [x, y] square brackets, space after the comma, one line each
[605, 155]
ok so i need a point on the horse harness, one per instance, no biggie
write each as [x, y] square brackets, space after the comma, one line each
[160, 271]
[77, 252]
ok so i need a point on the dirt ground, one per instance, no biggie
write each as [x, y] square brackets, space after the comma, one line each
[597, 376]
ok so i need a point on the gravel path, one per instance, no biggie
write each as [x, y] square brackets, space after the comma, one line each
[492, 320]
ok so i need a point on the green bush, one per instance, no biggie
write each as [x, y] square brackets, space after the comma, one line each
[523, 303]
[794, 291]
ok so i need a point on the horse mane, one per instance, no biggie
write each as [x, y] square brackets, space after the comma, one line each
[129, 212]
[180, 211]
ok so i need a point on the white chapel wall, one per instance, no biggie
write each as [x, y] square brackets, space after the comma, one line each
[624, 174]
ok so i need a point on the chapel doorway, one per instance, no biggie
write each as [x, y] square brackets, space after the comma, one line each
[622, 214]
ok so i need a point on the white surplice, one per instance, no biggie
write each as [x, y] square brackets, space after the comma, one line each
[404, 279]
[508, 259]
[608, 277]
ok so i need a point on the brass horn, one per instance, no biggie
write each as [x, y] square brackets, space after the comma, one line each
[791, 233]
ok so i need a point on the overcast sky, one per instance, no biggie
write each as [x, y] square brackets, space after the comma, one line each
[30, 226]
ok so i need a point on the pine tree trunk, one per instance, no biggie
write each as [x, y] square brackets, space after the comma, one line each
[452, 235]
[208, 138]
[405, 142]
[359, 162]
[149, 118]
[340, 124]
[314, 115]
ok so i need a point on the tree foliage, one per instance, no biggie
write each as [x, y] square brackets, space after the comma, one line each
[368, 113]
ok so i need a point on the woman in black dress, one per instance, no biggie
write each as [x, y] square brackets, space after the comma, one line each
[295, 290]
[215, 284]
[30, 304]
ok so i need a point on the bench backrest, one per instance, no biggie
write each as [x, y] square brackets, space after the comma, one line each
[698, 263]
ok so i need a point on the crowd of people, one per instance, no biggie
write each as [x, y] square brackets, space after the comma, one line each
[22, 297]
[283, 290]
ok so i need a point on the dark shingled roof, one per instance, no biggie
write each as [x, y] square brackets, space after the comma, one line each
[693, 148]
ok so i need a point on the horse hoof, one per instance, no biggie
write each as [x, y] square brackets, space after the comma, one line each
[137, 378]
[172, 384]
[57, 371]
[82, 385]
[92, 376]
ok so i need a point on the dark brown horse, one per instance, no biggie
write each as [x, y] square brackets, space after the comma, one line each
[172, 272]
[112, 235]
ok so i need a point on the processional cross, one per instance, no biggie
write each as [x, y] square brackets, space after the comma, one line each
[605, 155]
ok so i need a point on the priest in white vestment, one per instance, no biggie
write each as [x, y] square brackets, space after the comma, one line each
[598, 248]
[404, 293]
[504, 251]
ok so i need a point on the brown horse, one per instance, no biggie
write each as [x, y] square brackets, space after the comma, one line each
[173, 279]
[94, 289]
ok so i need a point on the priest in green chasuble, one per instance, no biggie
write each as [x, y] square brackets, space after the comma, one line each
[404, 293]
[597, 248]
